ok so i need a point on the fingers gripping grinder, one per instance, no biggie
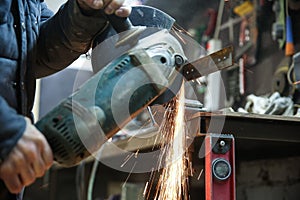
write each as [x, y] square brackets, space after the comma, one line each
[81, 123]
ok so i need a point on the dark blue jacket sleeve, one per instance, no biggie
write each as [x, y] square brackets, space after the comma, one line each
[12, 127]
[65, 36]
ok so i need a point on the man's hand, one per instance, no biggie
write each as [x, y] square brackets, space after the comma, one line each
[109, 6]
[29, 159]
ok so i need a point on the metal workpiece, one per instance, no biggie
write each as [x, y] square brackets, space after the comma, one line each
[214, 62]
[252, 126]
[248, 126]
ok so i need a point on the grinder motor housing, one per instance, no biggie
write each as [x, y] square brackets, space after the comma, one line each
[81, 123]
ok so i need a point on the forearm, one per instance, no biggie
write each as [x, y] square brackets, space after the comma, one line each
[65, 36]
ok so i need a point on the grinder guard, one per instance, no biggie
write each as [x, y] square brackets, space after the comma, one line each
[141, 15]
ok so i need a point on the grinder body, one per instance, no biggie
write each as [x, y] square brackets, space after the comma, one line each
[120, 90]
[81, 123]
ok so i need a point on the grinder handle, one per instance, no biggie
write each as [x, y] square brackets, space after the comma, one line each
[120, 24]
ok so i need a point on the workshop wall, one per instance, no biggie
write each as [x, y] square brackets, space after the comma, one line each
[274, 179]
